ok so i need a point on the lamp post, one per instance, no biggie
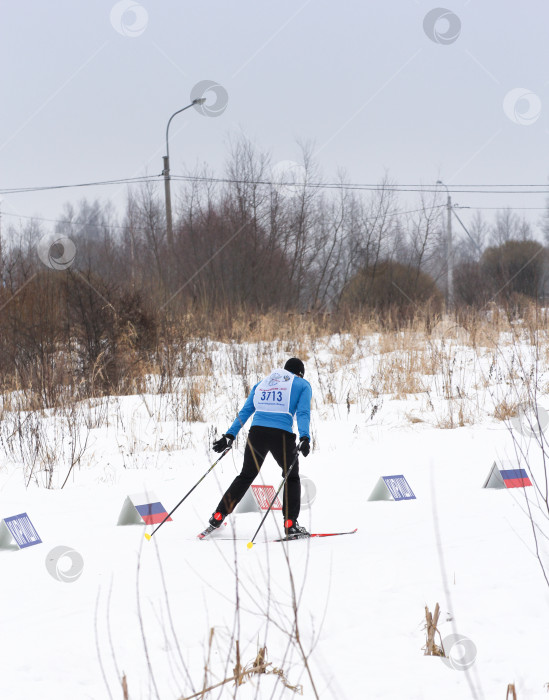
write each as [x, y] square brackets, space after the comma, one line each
[449, 253]
[166, 172]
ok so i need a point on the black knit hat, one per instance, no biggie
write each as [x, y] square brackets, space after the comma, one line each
[295, 366]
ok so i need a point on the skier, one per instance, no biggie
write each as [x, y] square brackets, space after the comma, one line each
[275, 400]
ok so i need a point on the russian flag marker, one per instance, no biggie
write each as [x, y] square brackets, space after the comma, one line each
[142, 509]
[515, 478]
[506, 478]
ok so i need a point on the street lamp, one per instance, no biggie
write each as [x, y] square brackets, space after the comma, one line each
[449, 255]
[166, 172]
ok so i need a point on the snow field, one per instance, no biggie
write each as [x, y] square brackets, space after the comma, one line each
[361, 597]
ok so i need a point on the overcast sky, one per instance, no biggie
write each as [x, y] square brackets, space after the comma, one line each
[87, 89]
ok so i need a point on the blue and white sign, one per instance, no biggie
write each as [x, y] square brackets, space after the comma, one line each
[399, 488]
[18, 529]
[392, 488]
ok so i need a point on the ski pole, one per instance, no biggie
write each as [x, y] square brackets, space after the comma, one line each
[251, 542]
[147, 536]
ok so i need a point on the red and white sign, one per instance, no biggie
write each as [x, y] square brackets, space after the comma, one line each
[264, 495]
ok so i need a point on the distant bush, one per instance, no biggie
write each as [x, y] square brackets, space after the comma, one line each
[66, 328]
[516, 267]
[471, 285]
[509, 274]
[392, 286]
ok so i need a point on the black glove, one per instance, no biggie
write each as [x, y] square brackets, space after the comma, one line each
[224, 441]
[304, 446]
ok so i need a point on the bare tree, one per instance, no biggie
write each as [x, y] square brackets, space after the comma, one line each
[510, 226]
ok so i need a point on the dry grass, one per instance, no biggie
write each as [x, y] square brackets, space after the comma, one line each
[505, 410]
[461, 370]
[399, 374]
[456, 416]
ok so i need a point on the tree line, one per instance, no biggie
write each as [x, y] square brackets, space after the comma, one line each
[250, 246]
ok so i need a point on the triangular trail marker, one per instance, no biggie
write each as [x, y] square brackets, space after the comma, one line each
[506, 477]
[392, 488]
[257, 499]
[142, 509]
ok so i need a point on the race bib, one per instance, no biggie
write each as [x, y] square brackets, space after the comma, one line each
[273, 393]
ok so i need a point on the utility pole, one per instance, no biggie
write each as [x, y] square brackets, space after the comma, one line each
[450, 257]
[449, 252]
[166, 173]
[167, 193]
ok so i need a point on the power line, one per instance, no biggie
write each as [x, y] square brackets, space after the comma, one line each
[121, 181]
[500, 208]
[469, 189]
[369, 187]
[70, 223]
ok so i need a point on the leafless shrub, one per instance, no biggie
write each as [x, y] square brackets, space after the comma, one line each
[223, 665]
[431, 622]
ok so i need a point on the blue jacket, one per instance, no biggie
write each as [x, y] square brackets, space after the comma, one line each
[300, 406]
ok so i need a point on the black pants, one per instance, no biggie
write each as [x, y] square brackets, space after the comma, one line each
[281, 445]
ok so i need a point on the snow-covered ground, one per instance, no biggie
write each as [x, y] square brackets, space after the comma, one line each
[146, 609]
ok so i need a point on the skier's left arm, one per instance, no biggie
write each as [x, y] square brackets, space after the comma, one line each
[303, 410]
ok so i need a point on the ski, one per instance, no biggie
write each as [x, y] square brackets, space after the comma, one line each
[208, 531]
[315, 534]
